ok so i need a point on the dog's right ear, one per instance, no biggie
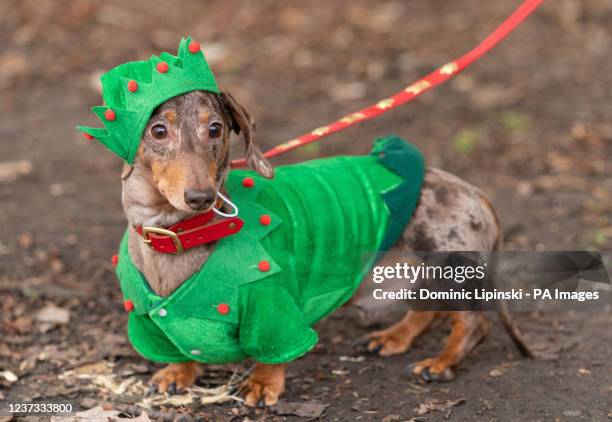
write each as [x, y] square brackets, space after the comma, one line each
[241, 120]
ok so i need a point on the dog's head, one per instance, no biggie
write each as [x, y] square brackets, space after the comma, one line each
[185, 148]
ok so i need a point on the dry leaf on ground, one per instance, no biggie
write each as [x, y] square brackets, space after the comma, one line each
[305, 410]
[438, 405]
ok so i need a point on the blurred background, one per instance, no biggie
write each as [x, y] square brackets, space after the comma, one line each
[529, 124]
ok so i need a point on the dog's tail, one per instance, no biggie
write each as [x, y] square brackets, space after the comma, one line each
[502, 307]
[513, 330]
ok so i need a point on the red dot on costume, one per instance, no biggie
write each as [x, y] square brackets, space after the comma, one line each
[109, 115]
[115, 260]
[162, 67]
[265, 219]
[223, 308]
[194, 47]
[132, 86]
[128, 305]
[248, 182]
[87, 136]
[264, 266]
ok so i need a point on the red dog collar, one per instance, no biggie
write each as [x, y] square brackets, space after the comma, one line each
[187, 234]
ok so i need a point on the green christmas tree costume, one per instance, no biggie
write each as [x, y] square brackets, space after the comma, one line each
[310, 236]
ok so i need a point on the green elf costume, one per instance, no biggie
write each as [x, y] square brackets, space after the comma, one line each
[309, 235]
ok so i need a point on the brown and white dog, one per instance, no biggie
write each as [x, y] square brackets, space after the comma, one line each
[183, 161]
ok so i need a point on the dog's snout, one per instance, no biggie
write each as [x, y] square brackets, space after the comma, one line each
[199, 199]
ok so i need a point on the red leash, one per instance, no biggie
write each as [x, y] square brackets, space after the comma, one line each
[412, 91]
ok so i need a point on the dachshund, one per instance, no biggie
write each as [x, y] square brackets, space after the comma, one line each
[181, 165]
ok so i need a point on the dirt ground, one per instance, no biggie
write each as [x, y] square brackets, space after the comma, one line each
[529, 124]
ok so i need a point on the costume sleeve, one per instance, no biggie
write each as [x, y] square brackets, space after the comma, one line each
[272, 328]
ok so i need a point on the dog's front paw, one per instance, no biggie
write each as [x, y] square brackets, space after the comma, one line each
[429, 370]
[175, 377]
[265, 385]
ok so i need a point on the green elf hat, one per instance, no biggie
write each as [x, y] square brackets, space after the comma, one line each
[133, 90]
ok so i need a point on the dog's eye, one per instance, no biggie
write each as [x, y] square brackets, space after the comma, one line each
[215, 130]
[159, 131]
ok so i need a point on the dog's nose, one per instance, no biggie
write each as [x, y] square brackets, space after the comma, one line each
[199, 199]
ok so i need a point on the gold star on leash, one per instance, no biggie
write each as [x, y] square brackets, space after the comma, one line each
[320, 131]
[418, 87]
[449, 68]
[383, 104]
[352, 118]
[289, 144]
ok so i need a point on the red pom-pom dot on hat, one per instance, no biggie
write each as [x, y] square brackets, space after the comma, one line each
[162, 67]
[109, 115]
[132, 86]
[248, 182]
[87, 136]
[265, 220]
[264, 266]
[115, 260]
[194, 47]
[223, 308]
[128, 305]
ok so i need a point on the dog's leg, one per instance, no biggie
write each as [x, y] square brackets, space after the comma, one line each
[399, 337]
[266, 383]
[175, 377]
[468, 329]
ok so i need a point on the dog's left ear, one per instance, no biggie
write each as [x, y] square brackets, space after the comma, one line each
[127, 170]
[241, 120]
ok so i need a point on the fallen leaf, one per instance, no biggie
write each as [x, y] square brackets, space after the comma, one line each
[351, 358]
[53, 314]
[572, 413]
[97, 413]
[9, 376]
[22, 325]
[305, 410]
[88, 402]
[500, 370]
[438, 405]
[102, 367]
[25, 240]
[12, 66]
[350, 91]
[494, 95]
[11, 170]
[496, 373]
